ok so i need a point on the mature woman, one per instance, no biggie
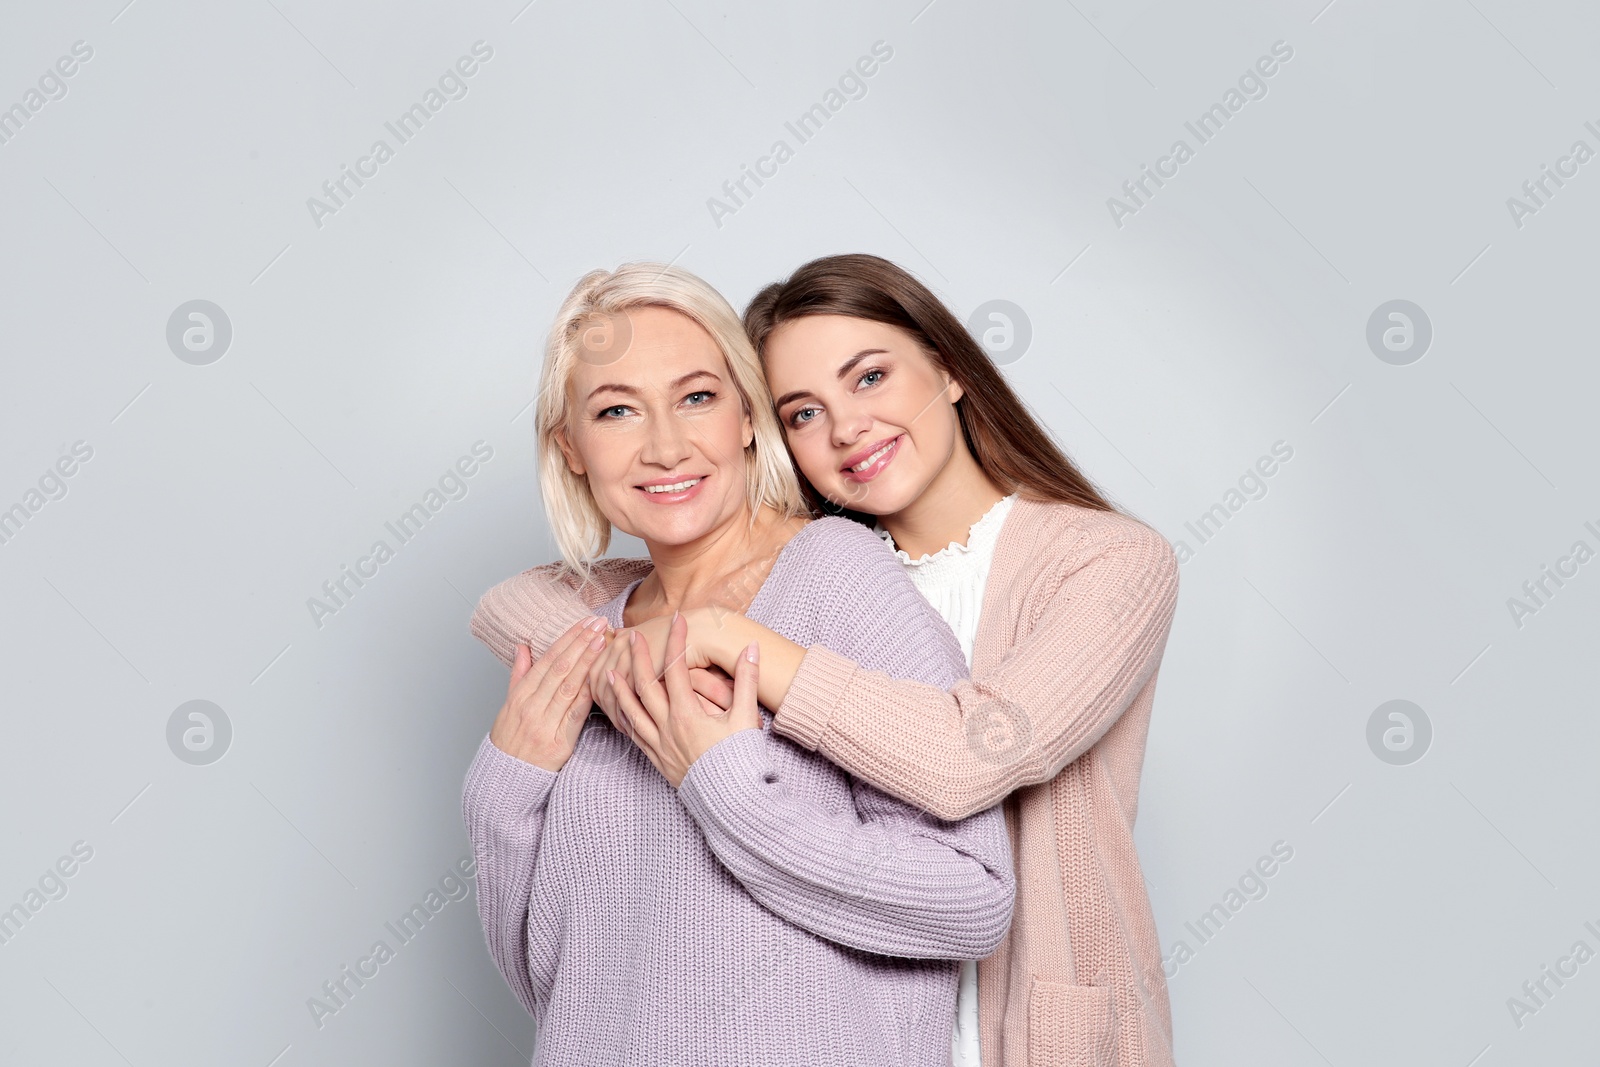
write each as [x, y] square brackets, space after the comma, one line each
[1063, 606]
[733, 898]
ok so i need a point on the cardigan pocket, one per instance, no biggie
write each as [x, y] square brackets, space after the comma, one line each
[1070, 1025]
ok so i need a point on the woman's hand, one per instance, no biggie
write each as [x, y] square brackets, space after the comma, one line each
[618, 657]
[673, 724]
[547, 701]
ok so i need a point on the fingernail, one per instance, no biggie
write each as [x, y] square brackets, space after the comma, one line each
[633, 637]
[753, 653]
[597, 623]
[597, 642]
[611, 677]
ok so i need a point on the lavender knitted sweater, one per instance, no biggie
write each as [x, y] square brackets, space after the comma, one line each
[772, 910]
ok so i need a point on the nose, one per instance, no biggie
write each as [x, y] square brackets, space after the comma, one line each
[850, 423]
[667, 442]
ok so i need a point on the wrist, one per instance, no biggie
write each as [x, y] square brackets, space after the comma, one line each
[720, 636]
[529, 754]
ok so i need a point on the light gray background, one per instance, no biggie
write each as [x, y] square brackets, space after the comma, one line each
[1168, 354]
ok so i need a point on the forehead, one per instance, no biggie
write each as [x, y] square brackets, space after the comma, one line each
[829, 332]
[807, 352]
[661, 346]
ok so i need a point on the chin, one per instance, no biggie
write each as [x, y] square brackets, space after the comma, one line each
[881, 498]
[677, 525]
[672, 533]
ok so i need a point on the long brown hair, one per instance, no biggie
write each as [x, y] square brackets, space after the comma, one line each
[1001, 432]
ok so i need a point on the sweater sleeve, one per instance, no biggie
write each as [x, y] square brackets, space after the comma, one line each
[503, 804]
[1098, 639]
[539, 605]
[886, 877]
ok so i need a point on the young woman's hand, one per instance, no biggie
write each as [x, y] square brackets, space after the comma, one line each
[714, 687]
[672, 723]
[548, 700]
[618, 658]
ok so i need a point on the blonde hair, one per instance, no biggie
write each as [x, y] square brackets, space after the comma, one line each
[599, 302]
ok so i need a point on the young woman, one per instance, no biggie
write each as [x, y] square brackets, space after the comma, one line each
[724, 896]
[1064, 605]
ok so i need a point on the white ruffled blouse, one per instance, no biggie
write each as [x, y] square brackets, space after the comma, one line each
[953, 579]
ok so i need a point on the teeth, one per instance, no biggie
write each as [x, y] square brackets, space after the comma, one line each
[676, 487]
[870, 460]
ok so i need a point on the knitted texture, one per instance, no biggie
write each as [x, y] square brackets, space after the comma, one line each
[773, 909]
[1076, 615]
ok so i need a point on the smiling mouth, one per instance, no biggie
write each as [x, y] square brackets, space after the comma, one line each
[870, 460]
[672, 487]
[873, 463]
[882, 449]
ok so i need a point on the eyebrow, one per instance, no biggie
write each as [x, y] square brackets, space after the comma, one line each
[672, 386]
[844, 369]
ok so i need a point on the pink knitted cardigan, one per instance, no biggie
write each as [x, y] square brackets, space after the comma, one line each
[1075, 620]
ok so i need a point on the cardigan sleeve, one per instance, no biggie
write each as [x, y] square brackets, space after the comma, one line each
[540, 604]
[886, 877]
[1070, 672]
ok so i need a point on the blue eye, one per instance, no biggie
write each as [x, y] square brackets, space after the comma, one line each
[708, 394]
[801, 416]
[607, 413]
[875, 375]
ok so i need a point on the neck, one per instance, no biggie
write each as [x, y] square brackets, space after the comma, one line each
[709, 569]
[958, 496]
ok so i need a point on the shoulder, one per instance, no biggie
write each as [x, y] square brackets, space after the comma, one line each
[835, 542]
[847, 589]
[1053, 535]
[1052, 542]
[846, 562]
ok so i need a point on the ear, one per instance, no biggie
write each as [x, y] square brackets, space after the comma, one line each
[747, 429]
[953, 388]
[574, 462]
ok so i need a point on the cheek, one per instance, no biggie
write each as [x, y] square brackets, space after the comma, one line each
[813, 456]
[934, 428]
[605, 459]
[611, 498]
[720, 436]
